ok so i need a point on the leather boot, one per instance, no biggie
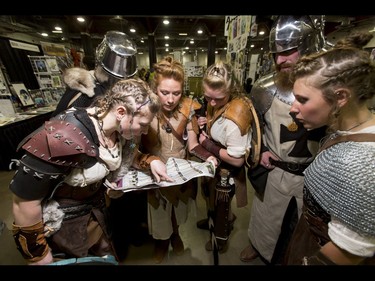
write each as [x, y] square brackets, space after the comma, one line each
[177, 244]
[160, 250]
[249, 254]
[203, 224]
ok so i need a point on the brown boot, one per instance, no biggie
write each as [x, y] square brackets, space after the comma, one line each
[177, 244]
[160, 250]
[249, 254]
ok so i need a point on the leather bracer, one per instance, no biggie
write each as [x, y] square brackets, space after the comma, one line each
[200, 152]
[212, 147]
[30, 241]
[144, 160]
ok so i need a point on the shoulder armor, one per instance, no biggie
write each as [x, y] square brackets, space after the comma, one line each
[80, 79]
[239, 112]
[62, 143]
[263, 92]
[187, 105]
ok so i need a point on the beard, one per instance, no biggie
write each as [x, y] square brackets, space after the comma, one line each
[282, 81]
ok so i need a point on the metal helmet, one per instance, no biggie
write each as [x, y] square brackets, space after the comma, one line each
[302, 32]
[116, 54]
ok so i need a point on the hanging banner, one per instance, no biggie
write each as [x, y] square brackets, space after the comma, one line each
[24, 46]
[50, 49]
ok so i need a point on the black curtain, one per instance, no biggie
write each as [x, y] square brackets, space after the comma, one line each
[17, 64]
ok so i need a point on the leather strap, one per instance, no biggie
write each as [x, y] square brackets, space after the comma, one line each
[165, 121]
[343, 138]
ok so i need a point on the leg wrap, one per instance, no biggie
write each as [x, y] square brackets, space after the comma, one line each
[30, 241]
[222, 226]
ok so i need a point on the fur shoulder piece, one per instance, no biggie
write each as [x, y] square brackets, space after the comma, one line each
[80, 79]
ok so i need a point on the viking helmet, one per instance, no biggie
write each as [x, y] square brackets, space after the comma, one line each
[302, 32]
[116, 54]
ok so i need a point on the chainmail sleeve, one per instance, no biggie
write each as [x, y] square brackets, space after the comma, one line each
[342, 180]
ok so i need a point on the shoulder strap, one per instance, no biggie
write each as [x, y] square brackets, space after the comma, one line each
[354, 137]
[165, 121]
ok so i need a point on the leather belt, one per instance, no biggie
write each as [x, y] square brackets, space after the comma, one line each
[291, 167]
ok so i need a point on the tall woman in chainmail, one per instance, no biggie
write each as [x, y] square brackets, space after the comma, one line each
[333, 88]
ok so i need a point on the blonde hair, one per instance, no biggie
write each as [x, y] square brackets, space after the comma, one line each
[220, 76]
[132, 93]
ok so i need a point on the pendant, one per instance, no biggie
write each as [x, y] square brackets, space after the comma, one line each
[292, 127]
[167, 129]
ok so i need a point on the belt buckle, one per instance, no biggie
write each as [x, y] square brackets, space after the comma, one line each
[292, 166]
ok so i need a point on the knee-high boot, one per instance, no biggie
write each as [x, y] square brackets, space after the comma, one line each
[176, 241]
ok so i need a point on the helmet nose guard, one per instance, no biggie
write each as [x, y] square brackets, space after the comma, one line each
[116, 54]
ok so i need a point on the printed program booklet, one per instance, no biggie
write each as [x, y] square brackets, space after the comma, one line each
[181, 170]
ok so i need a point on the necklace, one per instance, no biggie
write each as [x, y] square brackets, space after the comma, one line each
[105, 145]
[359, 124]
[166, 126]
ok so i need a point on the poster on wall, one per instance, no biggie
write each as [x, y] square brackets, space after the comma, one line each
[37, 97]
[45, 80]
[56, 81]
[41, 65]
[52, 65]
[48, 97]
[22, 93]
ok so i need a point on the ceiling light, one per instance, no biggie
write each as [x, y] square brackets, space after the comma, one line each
[183, 34]
[166, 22]
[58, 28]
[132, 30]
[166, 37]
[80, 19]
[200, 31]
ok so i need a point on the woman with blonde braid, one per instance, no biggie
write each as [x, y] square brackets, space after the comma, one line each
[337, 225]
[58, 196]
[228, 136]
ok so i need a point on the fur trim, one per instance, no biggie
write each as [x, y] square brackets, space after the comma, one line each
[52, 217]
[80, 79]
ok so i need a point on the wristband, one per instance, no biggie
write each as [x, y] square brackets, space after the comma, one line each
[212, 147]
[200, 152]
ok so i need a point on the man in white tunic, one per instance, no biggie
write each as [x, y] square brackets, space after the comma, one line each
[287, 148]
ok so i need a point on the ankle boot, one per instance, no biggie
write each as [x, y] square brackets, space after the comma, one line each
[177, 244]
[160, 250]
